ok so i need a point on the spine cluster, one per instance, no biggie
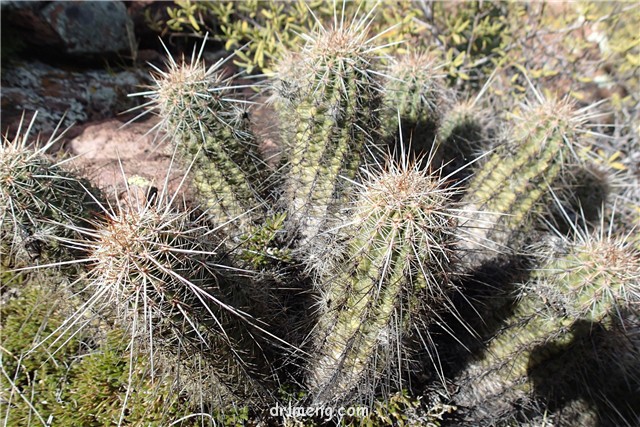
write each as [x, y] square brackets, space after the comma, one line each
[164, 273]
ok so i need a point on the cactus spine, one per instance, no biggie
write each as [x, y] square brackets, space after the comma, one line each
[211, 132]
[162, 272]
[40, 201]
[393, 267]
[593, 283]
[329, 97]
[514, 181]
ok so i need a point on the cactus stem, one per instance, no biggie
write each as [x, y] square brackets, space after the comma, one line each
[513, 182]
[391, 279]
[328, 97]
[39, 198]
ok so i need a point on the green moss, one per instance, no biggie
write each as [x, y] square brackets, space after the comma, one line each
[70, 377]
[105, 389]
[261, 248]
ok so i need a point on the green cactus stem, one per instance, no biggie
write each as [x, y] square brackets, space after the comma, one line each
[588, 286]
[210, 129]
[394, 266]
[328, 99]
[40, 201]
[513, 183]
[413, 94]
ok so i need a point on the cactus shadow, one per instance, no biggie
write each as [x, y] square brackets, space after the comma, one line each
[484, 301]
[581, 195]
[589, 369]
[293, 320]
[457, 152]
[414, 142]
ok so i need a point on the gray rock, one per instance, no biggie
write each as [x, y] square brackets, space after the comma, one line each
[90, 27]
[78, 28]
[8, 5]
[54, 92]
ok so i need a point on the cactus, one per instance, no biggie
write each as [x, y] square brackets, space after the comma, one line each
[328, 99]
[460, 137]
[40, 201]
[513, 183]
[393, 268]
[210, 130]
[413, 94]
[362, 267]
[163, 272]
[590, 285]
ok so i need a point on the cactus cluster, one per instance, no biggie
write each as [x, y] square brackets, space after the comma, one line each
[335, 278]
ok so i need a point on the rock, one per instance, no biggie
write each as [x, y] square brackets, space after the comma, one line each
[91, 27]
[56, 93]
[107, 150]
[9, 5]
[77, 28]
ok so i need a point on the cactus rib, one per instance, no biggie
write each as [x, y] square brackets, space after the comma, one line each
[394, 267]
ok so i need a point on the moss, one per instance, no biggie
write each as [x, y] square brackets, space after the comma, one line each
[69, 378]
[105, 389]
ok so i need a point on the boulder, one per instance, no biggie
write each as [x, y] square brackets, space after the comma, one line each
[78, 28]
[78, 96]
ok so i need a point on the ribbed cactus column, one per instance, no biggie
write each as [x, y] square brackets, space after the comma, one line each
[328, 99]
[514, 181]
[391, 276]
[162, 274]
[40, 201]
[594, 282]
[211, 131]
[413, 91]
